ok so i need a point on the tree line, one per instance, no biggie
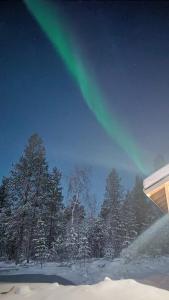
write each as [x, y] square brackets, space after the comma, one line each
[37, 223]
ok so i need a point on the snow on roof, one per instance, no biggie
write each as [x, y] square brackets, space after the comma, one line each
[156, 176]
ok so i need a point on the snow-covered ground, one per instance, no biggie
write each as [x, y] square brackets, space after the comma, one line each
[95, 270]
[144, 278]
[105, 290]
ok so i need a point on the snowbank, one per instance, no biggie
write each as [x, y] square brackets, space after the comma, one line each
[106, 290]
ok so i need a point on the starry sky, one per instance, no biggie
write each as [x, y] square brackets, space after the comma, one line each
[126, 48]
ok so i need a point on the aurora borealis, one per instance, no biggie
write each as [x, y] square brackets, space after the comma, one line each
[64, 43]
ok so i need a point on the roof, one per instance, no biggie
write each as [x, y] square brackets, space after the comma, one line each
[156, 177]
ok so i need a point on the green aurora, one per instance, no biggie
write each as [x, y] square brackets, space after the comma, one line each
[49, 20]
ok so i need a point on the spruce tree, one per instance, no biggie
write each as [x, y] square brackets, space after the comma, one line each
[71, 243]
[129, 218]
[140, 205]
[39, 242]
[84, 249]
[4, 215]
[110, 212]
[53, 212]
[27, 190]
[96, 237]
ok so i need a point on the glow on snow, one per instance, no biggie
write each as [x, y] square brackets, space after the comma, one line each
[47, 16]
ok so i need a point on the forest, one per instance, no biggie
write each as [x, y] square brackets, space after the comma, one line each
[38, 223]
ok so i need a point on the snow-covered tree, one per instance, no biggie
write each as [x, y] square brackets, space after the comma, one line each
[129, 219]
[4, 215]
[71, 243]
[53, 210]
[96, 237]
[110, 212]
[58, 251]
[84, 249]
[140, 205]
[27, 190]
[39, 242]
[138, 212]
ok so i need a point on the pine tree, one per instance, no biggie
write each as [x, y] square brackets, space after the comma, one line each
[27, 190]
[138, 212]
[110, 212]
[3, 194]
[140, 205]
[71, 243]
[84, 250]
[57, 251]
[4, 215]
[96, 237]
[129, 219]
[39, 242]
[54, 209]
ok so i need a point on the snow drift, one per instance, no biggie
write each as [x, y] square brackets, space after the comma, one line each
[106, 290]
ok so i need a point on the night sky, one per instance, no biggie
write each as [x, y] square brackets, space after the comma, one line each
[126, 47]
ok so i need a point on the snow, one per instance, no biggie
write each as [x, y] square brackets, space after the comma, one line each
[98, 279]
[105, 290]
[96, 270]
[23, 290]
[156, 176]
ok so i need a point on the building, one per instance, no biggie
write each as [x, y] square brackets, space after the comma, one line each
[156, 187]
